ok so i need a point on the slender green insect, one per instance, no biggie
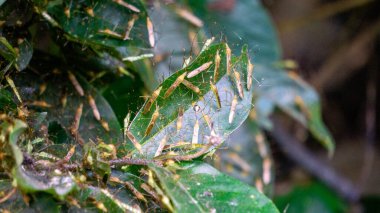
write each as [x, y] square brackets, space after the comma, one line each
[216, 94]
[238, 84]
[180, 118]
[200, 69]
[155, 115]
[176, 83]
[151, 100]
[249, 74]
[191, 86]
[228, 59]
[161, 146]
[195, 133]
[233, 109]
[217, 64]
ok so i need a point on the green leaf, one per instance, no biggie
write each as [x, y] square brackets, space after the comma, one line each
[311, 197]
[256, 28]
[63, 115]
[2, 2]
[85, 22]
[30, 181]
[293, 96]
[198, 187]
[201, 108]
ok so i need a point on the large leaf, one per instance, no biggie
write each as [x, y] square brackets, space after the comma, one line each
[86, 21]
[292, 95]
[201, 108]
[198, 187]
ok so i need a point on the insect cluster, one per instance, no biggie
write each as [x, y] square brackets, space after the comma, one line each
[185, 78]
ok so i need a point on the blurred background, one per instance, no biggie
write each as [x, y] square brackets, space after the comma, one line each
[336, 47]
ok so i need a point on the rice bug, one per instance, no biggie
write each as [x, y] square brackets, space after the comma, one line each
[134, 141]
[105, 125]
[110, 33]
[233, 109]
[239, 84]
[151, 100]
[180, 118]
[130, 24]
[75, 83]
[90, 11]
[161, 146]
[155, 115]
[228, 59]
[129, 6]
[214, 89]
[149, 26]
[188, 16]
[42, 88]
[250, 67]
[207, 43]
[267, 164]
[176, 83]
[78, 114]
[198, 70]
[217, 64]
[13, 86]
[94, 108]
[195, 133]
[126, 122]
[191, 86]
[67, 12]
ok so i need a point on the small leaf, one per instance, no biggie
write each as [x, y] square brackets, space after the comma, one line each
[198, 187]
[199, 108]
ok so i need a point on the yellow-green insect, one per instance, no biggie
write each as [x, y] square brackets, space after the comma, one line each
[179, 119]
[155, 115]
[151, 100]
[233, 109]
[195, 133]
[238, 84]
[191, 86]
[76, 84]
[217, 64]
[161, 146]
[200, 69]
[249, 74]
[228, 59]
[176, 83]
[214, 89]
[94, 108]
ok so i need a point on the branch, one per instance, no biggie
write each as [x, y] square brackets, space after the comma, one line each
[304, 158]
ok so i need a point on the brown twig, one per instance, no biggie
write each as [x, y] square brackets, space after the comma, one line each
[299, 154]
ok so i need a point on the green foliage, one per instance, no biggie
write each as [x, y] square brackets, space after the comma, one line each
[76, 135]
[310, 197]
